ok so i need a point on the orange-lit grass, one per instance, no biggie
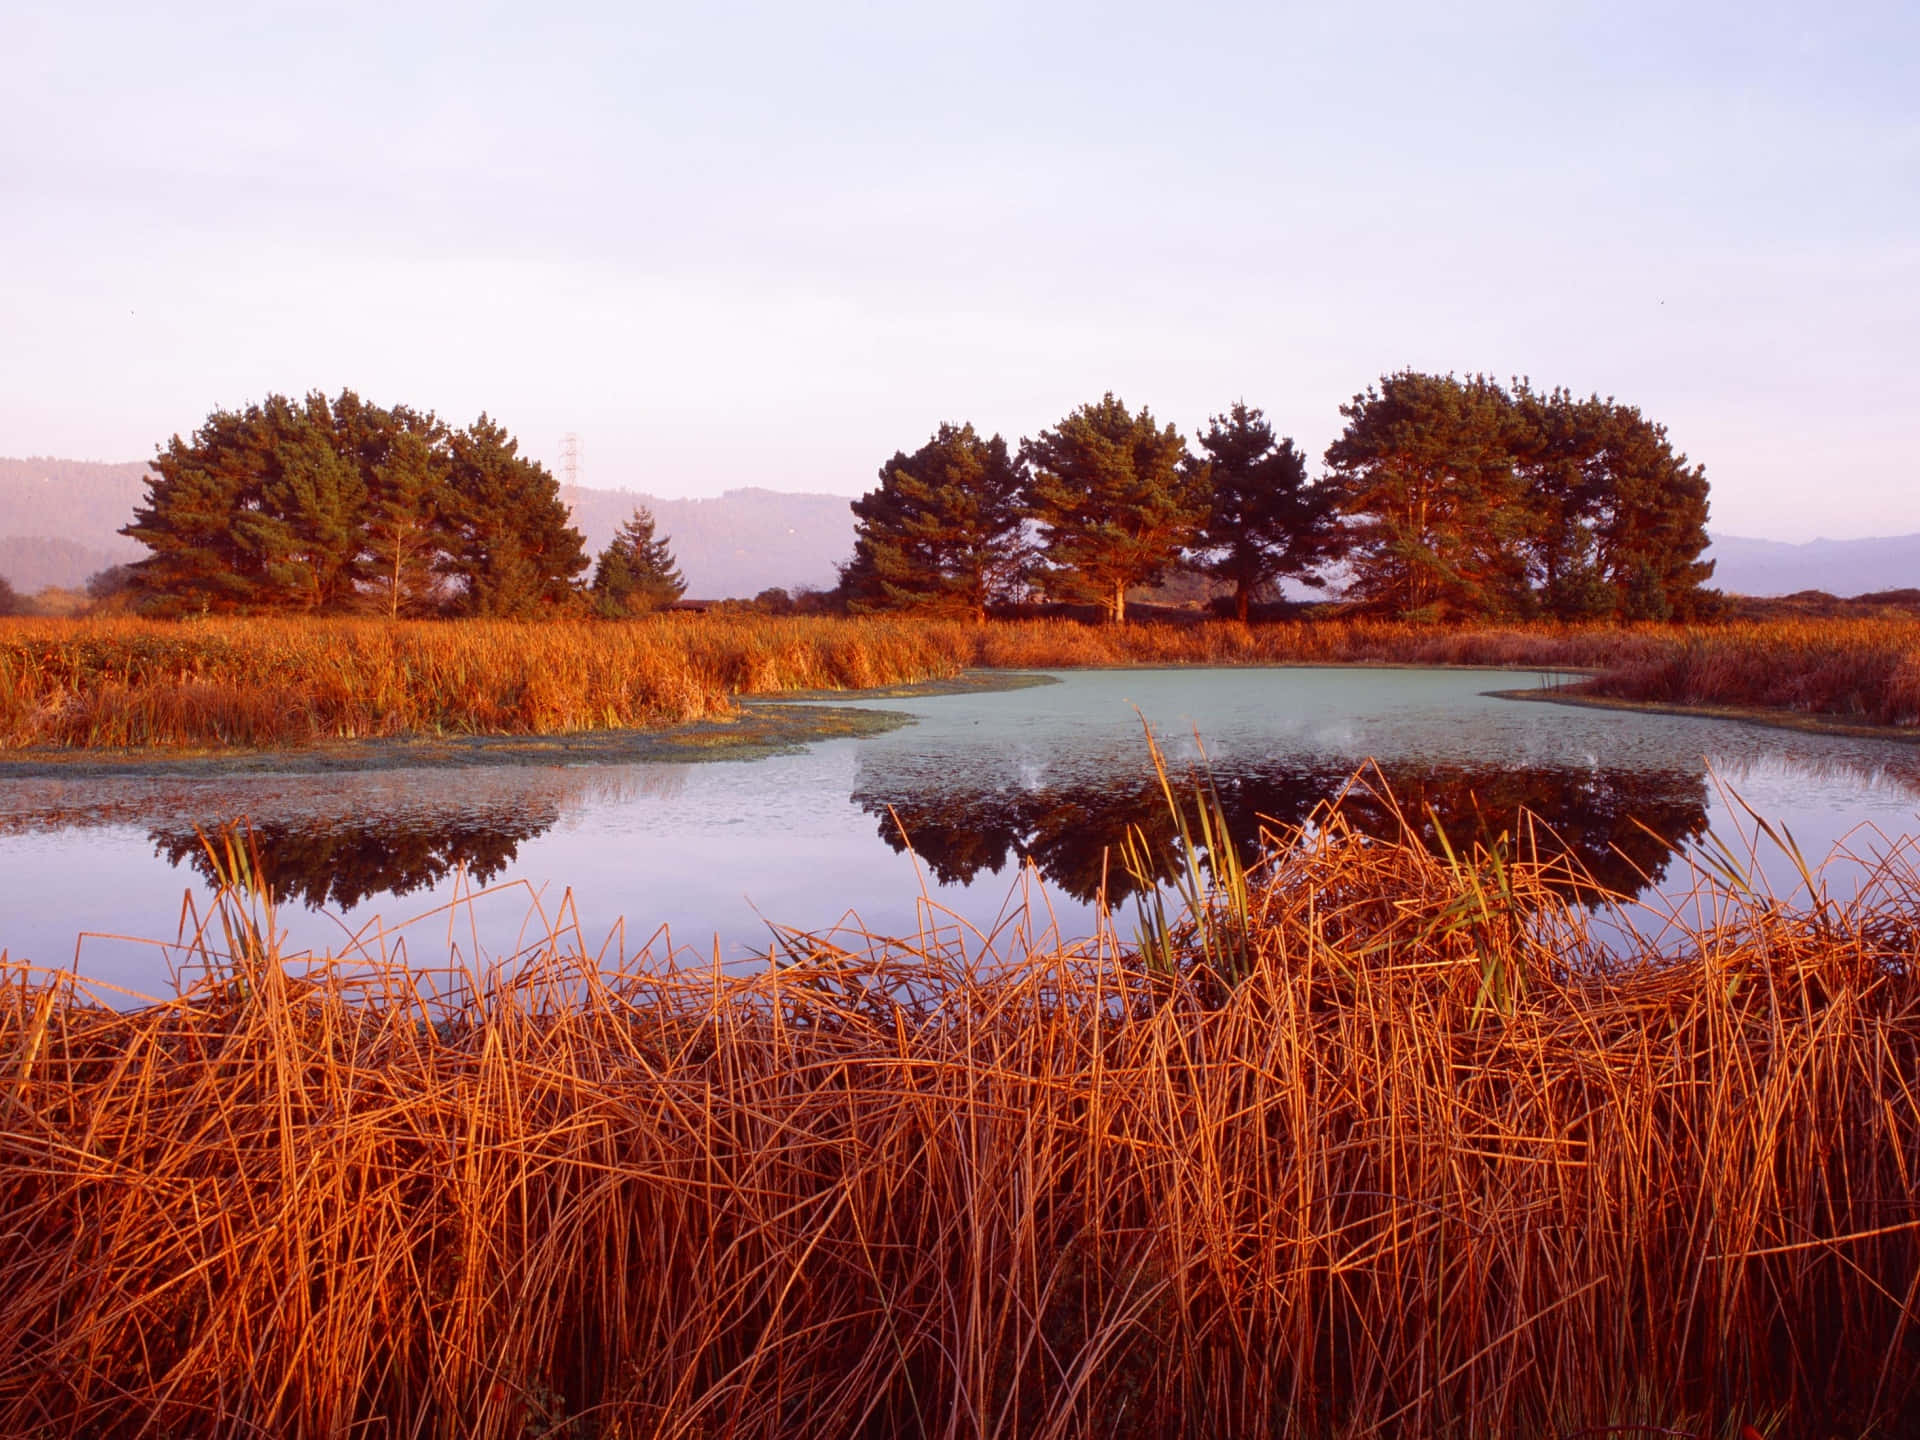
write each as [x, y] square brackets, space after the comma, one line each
[130, 683]
[115, 683]
[1861, 670]
[908, 1190]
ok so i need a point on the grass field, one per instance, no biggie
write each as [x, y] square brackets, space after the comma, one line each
[134, 684]
[1418, 1164]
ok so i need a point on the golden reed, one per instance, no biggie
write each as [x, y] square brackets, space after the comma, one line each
[119, 683]
[1433, 1164]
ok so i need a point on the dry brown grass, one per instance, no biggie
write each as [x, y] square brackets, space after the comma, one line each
[1427, 1169]
[135, 683]
[1860, 670]
[131, 683]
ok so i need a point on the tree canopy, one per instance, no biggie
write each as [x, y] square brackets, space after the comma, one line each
[1115, 502]
[327, 506]
[636, 574]
[1266, 521]
[942, 533]
[1620, 519]
[1464, 498]
[510, 545]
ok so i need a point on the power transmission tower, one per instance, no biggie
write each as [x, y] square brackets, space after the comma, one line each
[570, 458]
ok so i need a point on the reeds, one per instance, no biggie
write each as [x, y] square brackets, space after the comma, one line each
[1861, 670]
[265, 682]
[914, 1189]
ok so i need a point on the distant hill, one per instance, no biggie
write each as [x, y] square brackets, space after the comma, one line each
[1839, 567]
[58, 518]
[34, 563]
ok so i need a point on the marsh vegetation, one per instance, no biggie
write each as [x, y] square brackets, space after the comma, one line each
[1408, 1155]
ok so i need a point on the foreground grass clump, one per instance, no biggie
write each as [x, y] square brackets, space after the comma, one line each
[131, 683]
[1423, 1165]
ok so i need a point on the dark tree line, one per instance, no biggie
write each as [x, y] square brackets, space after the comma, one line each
[328, 506]
[1444, 498]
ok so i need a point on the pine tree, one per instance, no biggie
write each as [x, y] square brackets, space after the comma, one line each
[636, 574]
[305, 533]
[1267, 522]
[199, 493]
[1436, 519]
[1618, 520]
[510, 546]
[1651, 527]
[942, 533]
[404, 534]
[1114, 500]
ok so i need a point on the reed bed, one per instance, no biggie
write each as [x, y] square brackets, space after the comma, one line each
[121, 683]
[264, 682]
[1424, 1160]
[1860, 670]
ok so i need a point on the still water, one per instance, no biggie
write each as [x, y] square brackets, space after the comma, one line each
[998, 809]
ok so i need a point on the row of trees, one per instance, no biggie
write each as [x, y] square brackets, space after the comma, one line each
[338, 505]
[1443, 497]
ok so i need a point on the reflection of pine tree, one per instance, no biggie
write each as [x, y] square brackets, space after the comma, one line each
[1617, 827]
[636, 572]
[345, 862]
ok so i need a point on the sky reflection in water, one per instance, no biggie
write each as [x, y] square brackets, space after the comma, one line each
[980, 786]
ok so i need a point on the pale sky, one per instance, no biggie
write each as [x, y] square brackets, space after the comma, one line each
[762, 244]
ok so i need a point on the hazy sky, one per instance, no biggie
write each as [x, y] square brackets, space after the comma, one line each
[770, 244]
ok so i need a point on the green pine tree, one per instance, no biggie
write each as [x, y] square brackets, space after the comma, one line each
[636, 573]
[306, 532]
[1618, 520]
[942, 533]
[1115, 499]
[1435, 510]
[510, 546]
[404, 531]
[1267, 521]
[198, 493]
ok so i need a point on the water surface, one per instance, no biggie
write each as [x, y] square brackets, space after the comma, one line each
[955, 815]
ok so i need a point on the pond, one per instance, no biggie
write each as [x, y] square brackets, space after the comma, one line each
[1001, 809]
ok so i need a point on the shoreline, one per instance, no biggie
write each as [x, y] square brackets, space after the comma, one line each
[777, 724]
[760, 730]
[1771, 719]
[782, 723]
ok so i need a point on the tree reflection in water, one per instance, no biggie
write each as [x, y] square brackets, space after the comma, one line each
[336, 845]
[1072, 830]
[340, 862]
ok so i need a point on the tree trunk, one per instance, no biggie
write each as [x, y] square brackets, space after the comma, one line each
[1119, 602]
[1242, 600]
